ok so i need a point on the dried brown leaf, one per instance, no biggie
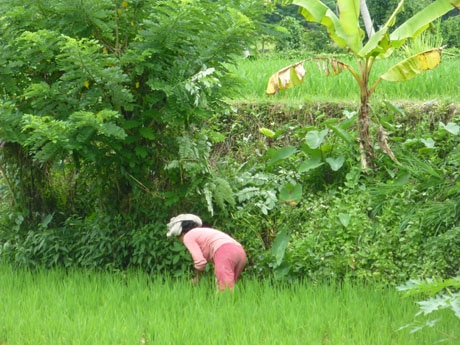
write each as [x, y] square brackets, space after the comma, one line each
[383, 143]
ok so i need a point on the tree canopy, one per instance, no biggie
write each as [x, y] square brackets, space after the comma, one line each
[97, 98]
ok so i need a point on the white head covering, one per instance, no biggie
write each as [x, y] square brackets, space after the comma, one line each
[175, 224]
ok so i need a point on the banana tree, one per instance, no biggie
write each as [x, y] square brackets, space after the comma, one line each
[345, 32]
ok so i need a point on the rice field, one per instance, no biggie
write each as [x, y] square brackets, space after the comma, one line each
[441, 84]
[80, 307]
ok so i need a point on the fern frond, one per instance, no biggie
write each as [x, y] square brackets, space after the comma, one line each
[223, 193]
[208, 192]
[217, 191]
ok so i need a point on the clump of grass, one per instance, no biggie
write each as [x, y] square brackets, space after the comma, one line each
[78, 307]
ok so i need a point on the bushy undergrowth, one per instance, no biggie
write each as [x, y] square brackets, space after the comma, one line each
[97, 243]
[398, 222]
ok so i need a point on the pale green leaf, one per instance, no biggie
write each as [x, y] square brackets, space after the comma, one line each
[349, 114]
[377, 44]
[317, 12]
[282, 153]
[290, 192]
[414, 65]
[421, 20]
[335, 163]
[267, 132]
[282, 270]
[310, 164]
[315, 138]
[279, 246]
[46, 221]
[433, 304]
[451, 127]
[455, 306]
[345, 135]
[349, 20]
[429, 143]
[344, 219]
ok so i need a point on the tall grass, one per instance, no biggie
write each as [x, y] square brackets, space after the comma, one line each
[440, 84]
[55, 307]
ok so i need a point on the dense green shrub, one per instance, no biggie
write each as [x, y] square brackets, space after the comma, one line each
[102, 106]
[101, 109]
[395, 225]
[450, 29]
[94, 95]
[294, 39]
[317, 40]
[98, 242]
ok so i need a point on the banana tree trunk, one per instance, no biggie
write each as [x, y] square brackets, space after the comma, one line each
[365, 142]
[364, 139]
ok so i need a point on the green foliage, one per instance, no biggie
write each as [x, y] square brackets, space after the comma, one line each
[324, 152]
[99, 242]
[49, 140]
[219, 191]
[195, 173]
[398, 224]
[450, 28]
[101, 108]
[344, 30]
[442, 294]
[427, 203]
[96, 93]
[294, 40]
[256, 192]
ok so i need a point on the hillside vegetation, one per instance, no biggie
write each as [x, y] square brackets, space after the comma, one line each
[112, 122]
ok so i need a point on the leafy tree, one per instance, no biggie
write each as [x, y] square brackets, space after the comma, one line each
[98, 97]
[344, 30]
[382, 9]
[295, 37]
[450, 29]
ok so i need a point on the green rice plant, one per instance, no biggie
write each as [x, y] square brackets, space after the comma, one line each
[440, 84]
[83, 307]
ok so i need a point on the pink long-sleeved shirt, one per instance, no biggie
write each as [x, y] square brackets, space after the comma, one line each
[202, 243]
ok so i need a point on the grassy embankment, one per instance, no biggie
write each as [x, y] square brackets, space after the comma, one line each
[54, 307]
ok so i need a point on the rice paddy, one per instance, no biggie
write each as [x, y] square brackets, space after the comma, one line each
[81, 307]
[440, 84]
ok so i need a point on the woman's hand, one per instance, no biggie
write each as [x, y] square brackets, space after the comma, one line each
[197, 277]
